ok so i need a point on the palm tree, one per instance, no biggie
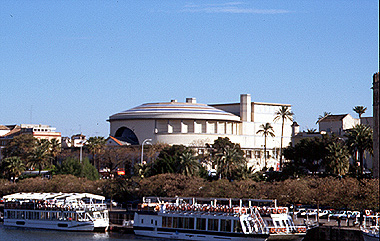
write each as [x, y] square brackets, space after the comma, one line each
[229, 160]
[338, 158]
[188, 165]
[284, 113]
[359, 139]
[325, 114]
[360, 110]
[266, 130]
[39, 156]
[311, 131]
[96, 146]
[13, 167]
[55, 149]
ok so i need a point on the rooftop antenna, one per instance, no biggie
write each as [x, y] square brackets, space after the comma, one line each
[31, 114]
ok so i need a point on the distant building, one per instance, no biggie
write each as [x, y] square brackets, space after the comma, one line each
[297, 136]
[8, 132]
[76, 140]
[192, 124]
[337, 124]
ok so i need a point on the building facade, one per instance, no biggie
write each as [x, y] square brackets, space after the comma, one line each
[193, 124]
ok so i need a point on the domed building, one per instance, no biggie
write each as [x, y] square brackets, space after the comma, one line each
[194, 124]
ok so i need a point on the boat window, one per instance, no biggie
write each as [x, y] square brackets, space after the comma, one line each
[201, 223]
[278, 224]
[225, 225]
[213, 224]
[175, 222]
[237, 226]
[180, 222]
[270, 223]
[191, 223]
[142, 220]
[151, 221]
[155, 222]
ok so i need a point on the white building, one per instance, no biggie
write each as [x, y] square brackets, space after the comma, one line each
[193, 124]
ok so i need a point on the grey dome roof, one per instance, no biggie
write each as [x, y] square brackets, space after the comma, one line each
[175, 110]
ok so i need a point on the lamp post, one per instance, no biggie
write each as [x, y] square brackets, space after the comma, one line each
[146, 141]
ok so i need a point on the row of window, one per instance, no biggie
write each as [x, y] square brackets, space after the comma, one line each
[210, 224]
[38, 215]
[196, 126]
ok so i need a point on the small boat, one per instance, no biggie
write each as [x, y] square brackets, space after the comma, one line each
[371, 232]
[215, 219]
[57, 211]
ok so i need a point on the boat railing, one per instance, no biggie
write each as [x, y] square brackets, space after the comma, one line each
[287, 229]
[55, 206]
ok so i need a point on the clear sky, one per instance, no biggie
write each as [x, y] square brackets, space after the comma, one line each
[72, 64]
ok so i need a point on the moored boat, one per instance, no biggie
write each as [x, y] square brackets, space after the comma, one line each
[215, 218]
[371, 232]
[58, 211]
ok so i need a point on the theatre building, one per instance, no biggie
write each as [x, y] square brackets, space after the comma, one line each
[193, 124]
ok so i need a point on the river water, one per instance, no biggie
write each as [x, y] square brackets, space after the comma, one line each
[20, 234]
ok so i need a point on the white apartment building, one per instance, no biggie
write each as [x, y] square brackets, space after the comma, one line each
[193, 124]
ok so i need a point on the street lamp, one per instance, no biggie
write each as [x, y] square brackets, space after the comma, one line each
[146, 141]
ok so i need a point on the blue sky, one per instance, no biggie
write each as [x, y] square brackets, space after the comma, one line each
[72, 64]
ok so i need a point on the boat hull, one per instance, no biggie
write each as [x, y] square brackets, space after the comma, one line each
[370, 237]
[54, 225]
[169, 233]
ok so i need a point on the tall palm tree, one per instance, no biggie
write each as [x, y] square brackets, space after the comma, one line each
[360, 110]
[13, 167]
[322, 116]
[360, 139]
[266, 130]
[338, 158]
[96, 145]
[283, 114]
[55, 149]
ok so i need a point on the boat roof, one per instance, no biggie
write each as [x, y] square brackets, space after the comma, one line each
[209, 199]
[46, 196]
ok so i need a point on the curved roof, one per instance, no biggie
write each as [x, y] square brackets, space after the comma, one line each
[175, 110]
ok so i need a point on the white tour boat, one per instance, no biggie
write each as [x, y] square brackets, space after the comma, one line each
[215, 219]
[371, 232]
[58, 211]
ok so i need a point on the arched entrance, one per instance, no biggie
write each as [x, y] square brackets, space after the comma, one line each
[127, 135]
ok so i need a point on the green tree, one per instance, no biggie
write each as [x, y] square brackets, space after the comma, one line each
[325, 114]
[175, 159]
[311, 131]
[73, 166]
[96, 146]
[283, 114]
[360, 139]
[266, 130]
[229, 161]
[188, 165]
[337, 159]
[39, 156]
[309, 154]
[360, 110]
[12, 167]
[20, 146]
[54, 149]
